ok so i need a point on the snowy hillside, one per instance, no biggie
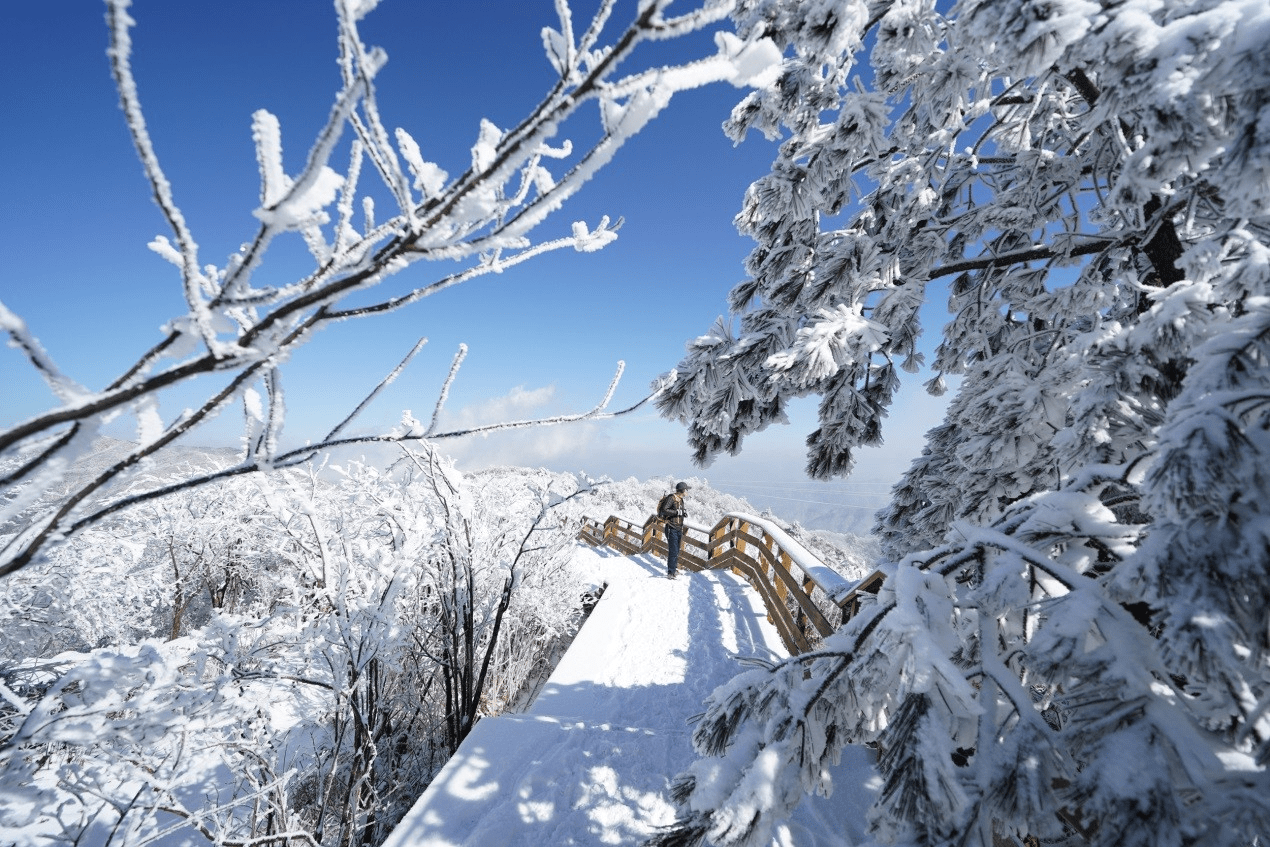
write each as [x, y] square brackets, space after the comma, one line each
[289, 634]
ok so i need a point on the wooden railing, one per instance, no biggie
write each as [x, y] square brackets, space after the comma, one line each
[805, 599]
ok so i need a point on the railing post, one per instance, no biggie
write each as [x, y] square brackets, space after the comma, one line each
[785, 561]
[809, 585]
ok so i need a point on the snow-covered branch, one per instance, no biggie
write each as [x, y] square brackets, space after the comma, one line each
[484, 221]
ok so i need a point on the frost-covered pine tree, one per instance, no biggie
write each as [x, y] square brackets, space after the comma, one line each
[1073, 642]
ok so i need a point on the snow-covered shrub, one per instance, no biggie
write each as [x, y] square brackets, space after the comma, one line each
[380, 612]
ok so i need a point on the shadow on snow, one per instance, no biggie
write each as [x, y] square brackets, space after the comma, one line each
[592, 759]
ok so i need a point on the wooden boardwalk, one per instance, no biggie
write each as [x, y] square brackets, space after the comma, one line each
[591, 761]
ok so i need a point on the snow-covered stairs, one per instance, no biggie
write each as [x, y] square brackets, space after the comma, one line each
[591, 760]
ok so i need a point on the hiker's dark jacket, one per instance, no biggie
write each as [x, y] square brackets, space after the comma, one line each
[671, 509]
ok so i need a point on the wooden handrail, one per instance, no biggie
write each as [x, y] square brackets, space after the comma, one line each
[778, 567]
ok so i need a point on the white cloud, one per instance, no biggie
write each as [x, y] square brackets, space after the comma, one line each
[770, 471]
[560, 446]
[518, 404]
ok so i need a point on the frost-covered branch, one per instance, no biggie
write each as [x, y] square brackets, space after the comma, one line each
[484, 221]
[893, 676]
[120, 53]
[409, 431]
[1003, 174]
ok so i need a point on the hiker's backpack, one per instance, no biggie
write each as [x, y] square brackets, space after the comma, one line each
[666, 508]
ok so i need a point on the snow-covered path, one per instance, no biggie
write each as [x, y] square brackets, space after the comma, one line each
[591, 761]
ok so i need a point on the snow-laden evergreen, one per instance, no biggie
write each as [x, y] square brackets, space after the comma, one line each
[1073, 643]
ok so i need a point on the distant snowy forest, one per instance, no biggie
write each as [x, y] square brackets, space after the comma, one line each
[1072, 645]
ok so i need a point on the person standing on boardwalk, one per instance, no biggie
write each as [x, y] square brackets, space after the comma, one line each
[672, 511]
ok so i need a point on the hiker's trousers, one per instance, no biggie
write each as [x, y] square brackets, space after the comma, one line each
[674, 537]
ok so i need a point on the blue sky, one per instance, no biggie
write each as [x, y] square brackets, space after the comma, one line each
[544, 338]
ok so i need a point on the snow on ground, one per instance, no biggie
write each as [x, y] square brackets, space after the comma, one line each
[592, 759]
